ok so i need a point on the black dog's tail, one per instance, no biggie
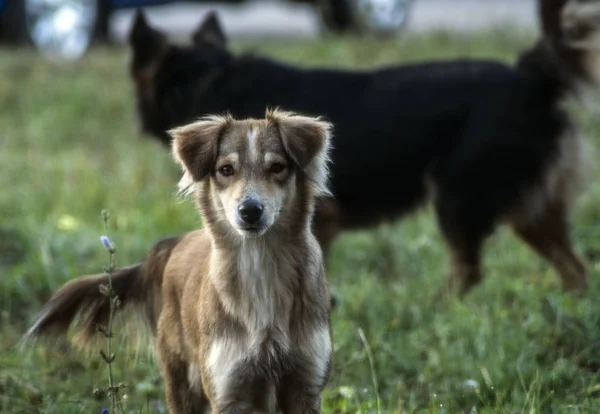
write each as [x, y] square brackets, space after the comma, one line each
[568, 54]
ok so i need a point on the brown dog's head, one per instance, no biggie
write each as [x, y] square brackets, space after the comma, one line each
[250, 176]
[168, 78]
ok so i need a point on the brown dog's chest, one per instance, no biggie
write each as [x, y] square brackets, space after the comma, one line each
[254, 362]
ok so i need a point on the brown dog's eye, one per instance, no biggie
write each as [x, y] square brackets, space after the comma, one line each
[226, 170]
[277, 168]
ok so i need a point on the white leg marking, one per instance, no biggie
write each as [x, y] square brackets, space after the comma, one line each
[195, 377]
[223, 356]
[319, 349]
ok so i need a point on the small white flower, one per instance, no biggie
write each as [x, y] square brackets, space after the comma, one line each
[472, 384]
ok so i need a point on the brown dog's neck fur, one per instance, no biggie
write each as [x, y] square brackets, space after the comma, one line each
[260, 289]
[258, 279]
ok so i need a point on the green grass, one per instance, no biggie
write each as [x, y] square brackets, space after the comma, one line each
[69, 147]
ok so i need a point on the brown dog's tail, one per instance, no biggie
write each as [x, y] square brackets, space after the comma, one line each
[568, 54]
[83, 302]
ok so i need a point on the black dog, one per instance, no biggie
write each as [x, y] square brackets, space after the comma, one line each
[486, 142]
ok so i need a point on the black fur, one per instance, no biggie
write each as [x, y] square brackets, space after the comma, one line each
[481, 132]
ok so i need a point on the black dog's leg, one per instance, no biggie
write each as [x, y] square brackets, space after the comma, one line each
[549, 235]
[465, 232]
[326, 226]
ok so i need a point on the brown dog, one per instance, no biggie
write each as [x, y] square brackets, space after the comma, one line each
[240, 310]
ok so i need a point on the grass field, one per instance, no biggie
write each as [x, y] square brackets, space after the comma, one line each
[69, 147]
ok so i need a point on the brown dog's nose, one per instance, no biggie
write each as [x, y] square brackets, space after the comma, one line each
[250, 211]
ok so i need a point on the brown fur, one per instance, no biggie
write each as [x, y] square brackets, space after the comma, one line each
[240, 314]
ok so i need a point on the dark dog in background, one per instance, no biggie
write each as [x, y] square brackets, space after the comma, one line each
[487, 143]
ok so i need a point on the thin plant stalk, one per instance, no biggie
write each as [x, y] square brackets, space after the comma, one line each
[363, 338]
[113, 390]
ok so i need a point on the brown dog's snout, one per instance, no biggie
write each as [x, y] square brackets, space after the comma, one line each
[250, 211]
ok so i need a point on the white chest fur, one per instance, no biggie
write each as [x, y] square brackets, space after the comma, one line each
[266, 279]
[227, 356]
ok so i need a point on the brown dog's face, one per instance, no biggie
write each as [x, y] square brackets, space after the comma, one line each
[251, 168]
[254, 179]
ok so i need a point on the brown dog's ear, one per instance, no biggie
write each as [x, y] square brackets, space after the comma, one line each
[307, 141]
[195, 146]
[148, 44]
[210, 32]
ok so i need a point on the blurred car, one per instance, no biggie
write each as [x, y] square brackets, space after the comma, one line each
[66, 28]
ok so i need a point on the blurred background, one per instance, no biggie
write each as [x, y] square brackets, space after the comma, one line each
[65, 28]
[71, 146]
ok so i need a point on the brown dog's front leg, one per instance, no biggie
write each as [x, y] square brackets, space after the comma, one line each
[234, 408]
[297, 398]
[181, 397]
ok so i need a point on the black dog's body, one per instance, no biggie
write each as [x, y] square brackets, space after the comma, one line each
[420, 117]
[485, 140]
